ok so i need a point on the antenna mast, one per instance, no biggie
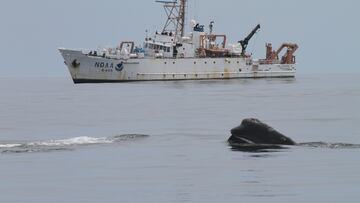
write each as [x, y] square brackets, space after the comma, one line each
[175, 17]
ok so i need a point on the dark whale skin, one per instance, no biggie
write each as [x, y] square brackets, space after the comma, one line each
[253, 131]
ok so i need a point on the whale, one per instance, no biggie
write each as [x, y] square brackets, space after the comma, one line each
[254, 135]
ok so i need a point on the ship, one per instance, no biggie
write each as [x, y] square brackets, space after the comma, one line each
[173, 54]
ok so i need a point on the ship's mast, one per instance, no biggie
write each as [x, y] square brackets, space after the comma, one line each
[181, 21]
[175, 17]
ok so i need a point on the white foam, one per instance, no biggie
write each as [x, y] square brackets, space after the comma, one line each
[64, 143]
[73, 141]
[9, 145]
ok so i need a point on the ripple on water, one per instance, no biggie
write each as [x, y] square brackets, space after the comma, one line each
[330, 145]
[269, 148]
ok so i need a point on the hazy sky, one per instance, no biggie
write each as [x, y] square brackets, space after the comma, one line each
[31, 31]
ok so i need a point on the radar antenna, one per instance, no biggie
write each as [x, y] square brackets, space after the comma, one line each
[175, 17]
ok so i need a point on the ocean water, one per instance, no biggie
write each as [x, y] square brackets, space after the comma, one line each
[166, 141]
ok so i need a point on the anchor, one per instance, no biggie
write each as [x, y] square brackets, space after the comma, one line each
[75, 64]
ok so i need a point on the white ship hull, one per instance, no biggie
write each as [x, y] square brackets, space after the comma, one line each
[95, 69]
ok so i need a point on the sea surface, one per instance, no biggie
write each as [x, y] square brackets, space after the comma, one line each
[166, 141]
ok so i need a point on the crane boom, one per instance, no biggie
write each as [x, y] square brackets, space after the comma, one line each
[244, 43]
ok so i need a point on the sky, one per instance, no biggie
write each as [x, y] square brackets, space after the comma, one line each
[31, 31]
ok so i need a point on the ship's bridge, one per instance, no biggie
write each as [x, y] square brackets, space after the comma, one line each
[160, 46]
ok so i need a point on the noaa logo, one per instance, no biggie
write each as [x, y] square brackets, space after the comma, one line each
[119, 67]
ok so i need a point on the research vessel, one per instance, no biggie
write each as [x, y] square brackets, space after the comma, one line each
[173, 54]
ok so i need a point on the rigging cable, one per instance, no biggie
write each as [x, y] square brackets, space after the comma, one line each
[195, 10]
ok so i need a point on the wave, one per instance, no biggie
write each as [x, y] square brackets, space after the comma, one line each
[64, 144]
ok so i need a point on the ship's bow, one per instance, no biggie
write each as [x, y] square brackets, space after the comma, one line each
[72, 59]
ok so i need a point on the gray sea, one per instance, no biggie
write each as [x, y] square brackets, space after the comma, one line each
[166, 141]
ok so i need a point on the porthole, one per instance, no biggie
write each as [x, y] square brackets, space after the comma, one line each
[174, 62]
[196, 75]
[165, 63]
[238, 62]
[194, 62]
[205, 62]
[240, 70]
[214, 62]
